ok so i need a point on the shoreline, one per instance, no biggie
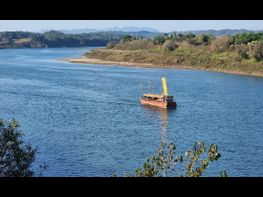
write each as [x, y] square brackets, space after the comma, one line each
[86, 60]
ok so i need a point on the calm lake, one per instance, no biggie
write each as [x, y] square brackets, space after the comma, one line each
[86, 120]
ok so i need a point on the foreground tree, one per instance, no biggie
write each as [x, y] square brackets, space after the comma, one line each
[166, 163]
[16, 157]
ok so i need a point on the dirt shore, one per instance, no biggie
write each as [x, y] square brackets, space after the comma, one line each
[148, 65]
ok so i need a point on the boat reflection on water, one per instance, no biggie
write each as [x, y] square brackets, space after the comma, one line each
[164, 120]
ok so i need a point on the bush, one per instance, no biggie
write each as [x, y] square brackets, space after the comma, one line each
[189, 35]
[242, 54]
[127, 38]
[160, 39]
[202, 39]
[257, 50]
[180, 59]
[169, 45]
[111, 45]
[166, 163]
[221, 43]
[244, 38]
[16, 158]
[134, 45]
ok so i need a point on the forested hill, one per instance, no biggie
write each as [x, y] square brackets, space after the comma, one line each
[241, 53]
[19, 39]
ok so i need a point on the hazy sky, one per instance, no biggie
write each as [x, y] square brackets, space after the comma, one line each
[161, 25]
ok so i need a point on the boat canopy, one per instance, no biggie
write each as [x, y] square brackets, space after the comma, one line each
[153, 95]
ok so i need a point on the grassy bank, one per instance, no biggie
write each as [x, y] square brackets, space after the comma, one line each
[240, 54]
[183, 57]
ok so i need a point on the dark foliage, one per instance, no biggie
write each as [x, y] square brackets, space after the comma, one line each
[16, 157]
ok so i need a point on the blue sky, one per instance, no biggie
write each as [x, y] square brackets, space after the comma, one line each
[161, 25]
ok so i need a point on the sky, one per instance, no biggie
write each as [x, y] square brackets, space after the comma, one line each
[160, 25]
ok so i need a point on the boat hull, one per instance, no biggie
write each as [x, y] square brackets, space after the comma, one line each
[161, 104]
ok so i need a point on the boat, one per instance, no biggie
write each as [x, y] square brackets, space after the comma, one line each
[159, 100]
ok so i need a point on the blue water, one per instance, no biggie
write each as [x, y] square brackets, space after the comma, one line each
[86, 120]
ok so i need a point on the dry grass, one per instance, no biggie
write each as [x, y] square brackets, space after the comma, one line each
[183, 56]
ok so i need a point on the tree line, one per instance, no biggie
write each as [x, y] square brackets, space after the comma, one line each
[20, 39]
[246, 45]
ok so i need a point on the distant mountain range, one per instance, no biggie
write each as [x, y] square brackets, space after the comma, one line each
[150, 32]
[113, 29]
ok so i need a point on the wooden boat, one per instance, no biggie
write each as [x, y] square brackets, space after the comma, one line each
[159, 100]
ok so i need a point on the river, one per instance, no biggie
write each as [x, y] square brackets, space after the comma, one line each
[86, 120]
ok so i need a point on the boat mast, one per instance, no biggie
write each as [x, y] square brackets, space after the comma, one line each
[150, 87]
[165, 90]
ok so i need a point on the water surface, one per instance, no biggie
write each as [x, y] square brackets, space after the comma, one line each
[86, 119]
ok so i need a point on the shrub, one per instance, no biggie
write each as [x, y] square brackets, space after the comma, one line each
[221, 43]
[256, 50]
[166, 163]
[189, 35]
[111, 45]
[180, 59]
[160, 39]
[134, 45]
[244, 38]
[242, 53]
[169, 45]
[127, 38]
[202, 39]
